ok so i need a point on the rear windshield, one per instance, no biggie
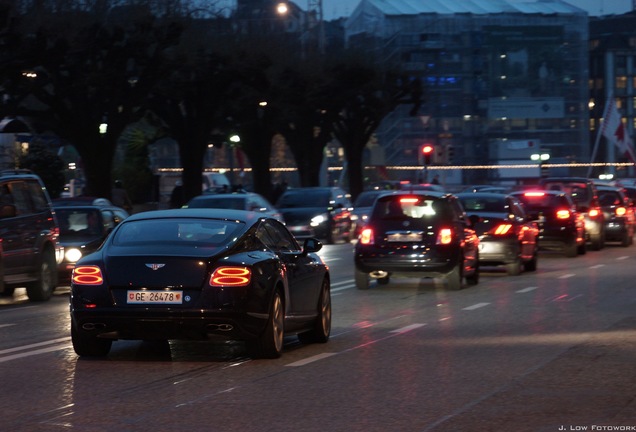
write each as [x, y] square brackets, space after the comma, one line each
[578, 191]
[609, 198]
[413, 206]
[203, 232]
[365, 199]
[543, 201]
[492, 205]
[305, 198]
[229, 202]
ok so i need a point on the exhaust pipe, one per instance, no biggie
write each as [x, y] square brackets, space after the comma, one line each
[378, 274]
[220, 327]
[93, 326]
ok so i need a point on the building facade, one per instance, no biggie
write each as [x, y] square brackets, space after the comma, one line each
[502, 80]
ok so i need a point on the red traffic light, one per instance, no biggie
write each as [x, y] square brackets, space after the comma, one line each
[427, 149]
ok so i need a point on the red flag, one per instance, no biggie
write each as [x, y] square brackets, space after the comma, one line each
[614, 130]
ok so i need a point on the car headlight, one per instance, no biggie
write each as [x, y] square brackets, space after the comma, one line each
[317, 220]
[72, 254]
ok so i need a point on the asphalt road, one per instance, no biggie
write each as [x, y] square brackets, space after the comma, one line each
[546, 351]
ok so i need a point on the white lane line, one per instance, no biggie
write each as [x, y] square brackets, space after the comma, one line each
[597, 266]
[311, 359]
[35, 345]
[525, 290]
[622, 258]
[567, 276]
[333, 290]
[476, 306]
[31, 353]
[407, 328]
[6, 325]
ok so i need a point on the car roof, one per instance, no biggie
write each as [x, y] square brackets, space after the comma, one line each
[83, 201]
[205, 213]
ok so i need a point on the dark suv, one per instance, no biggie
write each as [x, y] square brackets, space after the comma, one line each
[29, 236]
[585, 196]
[421, 234]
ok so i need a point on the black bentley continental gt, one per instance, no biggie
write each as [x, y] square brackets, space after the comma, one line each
[200, 274]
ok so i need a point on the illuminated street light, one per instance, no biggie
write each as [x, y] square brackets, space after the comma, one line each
[282, 9]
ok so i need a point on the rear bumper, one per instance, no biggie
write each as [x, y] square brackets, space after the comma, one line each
[410, 262]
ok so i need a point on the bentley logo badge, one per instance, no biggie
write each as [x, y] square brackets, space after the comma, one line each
[155, 266]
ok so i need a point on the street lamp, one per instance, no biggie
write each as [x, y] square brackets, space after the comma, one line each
[540, 158]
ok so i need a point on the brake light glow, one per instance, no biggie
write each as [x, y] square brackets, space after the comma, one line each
[445, 236]
[87, 275]
[366, 236]
[231, 276]
[410, 200]
[563, 214]
[593, 212]
[621, 211]
[534, 194]
[503, 229]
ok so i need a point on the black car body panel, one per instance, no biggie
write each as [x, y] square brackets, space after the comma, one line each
[561, 226]
[585, 196]
[402, 239]
[158, 278]
[506, 235]
[320, 212]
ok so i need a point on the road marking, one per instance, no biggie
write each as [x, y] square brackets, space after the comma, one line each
[567, 276]
[6, 325]
[407, 328]
[35, 352]
[310, 359]
[30, 351]
[476, 306]
[597, 266]
[622, 258]
[525, 290]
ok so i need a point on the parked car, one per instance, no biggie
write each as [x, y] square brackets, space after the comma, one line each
[84, 224]
[619, 215]
[320, 212]
[507, 236]
[585, 196]
[561, 226]
[200, 274]
[362, 207]
[29, 235]
[249, 201]
[422, 234]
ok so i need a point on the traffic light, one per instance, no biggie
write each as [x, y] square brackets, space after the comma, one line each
[426, 154]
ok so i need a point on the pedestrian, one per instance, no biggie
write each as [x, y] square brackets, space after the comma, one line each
[177, 197]
[435, 179]
[120, 198]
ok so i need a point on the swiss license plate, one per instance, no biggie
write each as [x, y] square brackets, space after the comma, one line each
[155, 297]
[405, 237]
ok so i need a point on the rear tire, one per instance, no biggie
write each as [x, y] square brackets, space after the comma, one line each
[454, 278]
[89, 346]
[270, 343]
[384, 280]
[514, 268]
[42, 288]
[362, 280]
[322, 326]
[531, 265]
[570, 249]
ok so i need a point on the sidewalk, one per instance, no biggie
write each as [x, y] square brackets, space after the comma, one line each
[590, 387]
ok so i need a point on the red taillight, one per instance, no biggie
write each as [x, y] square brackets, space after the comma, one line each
[534, 194]
[409, 200]
[621, 211]
[231, 276]
[593, 213]
[87, 275]
[445, 236]
[503, 229]
[563, 214]
[366, 236]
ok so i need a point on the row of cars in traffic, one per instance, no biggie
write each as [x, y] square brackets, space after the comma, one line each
[213, 270]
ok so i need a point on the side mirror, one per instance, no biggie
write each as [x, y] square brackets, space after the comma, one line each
[311, 245]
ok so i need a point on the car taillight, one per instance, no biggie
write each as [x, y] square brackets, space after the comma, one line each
[444, 236]
[563, 214]
[593, 213]
[621, 211]
[87, 275]
[366, 236]
[231, 276]
[503, 229]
